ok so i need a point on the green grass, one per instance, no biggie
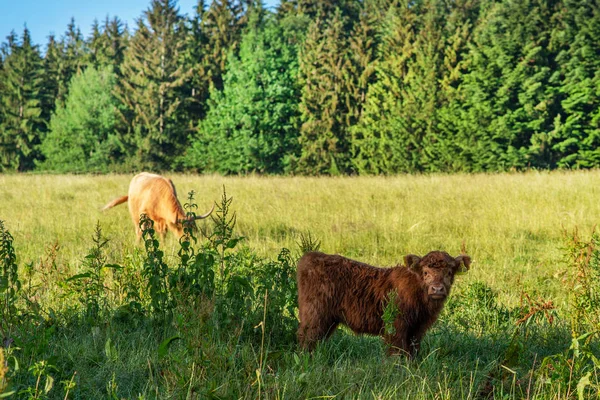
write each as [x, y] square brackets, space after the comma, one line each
[512, 225]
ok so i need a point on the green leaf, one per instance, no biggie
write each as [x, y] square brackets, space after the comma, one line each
[79, 276]
[581, 385]
[163, 349]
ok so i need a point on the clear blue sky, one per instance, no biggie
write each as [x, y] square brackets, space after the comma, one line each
[43, 17]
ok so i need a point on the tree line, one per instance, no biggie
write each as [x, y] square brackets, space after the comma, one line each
[312, 87]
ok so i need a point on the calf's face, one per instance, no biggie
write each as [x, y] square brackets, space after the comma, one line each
[437, 270]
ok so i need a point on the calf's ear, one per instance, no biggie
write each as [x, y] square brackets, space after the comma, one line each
[463, 263]
[412, 261]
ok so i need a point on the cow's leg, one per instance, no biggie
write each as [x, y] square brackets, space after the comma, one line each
[160, 226]
[136, 225]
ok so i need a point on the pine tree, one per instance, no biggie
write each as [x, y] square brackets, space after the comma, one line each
[96, 45]
[448, 150]
[324, 63]
[54, 85]
[73, 55]
[322, 9]
[150, 89]
[222, 25]
[106, 44]
[575, 140]
[506, 98]
[379, 141]
[21, 123]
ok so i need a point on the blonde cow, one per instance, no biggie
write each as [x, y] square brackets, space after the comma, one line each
[155, 196]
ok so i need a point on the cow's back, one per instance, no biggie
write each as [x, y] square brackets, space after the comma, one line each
[350, 290]
[153, 195]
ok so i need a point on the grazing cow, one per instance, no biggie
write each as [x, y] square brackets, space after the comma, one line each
[333, 289]
[155, 196]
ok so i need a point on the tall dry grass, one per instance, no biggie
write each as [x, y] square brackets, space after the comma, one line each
[511, 224]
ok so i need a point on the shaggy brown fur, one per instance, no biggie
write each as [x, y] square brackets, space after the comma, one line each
[155, 196]
[333, 289]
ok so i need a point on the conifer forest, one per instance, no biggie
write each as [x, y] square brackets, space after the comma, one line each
[310, 87]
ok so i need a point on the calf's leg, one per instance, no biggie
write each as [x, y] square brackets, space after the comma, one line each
[309, 333]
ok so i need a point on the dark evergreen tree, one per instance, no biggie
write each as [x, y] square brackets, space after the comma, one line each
[441, 45]
[117, 38]
[379, 141]
[251, 124]
[96, 45]
[222, 25]
[449, 151]
[22, 125]
[153, 74]
[194, 57]
[324, 66]
[106, 44]
[322, 9]
[574, 141]
[74, 57]
[506, 98]
[54, 85]
[362, 50]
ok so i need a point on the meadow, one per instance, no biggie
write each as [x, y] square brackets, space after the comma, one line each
[505, 320]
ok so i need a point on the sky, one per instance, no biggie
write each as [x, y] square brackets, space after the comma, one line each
[44, 17]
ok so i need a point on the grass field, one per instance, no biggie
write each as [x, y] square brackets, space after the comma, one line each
[514, 226]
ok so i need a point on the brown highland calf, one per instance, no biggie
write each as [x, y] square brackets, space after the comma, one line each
[155, 196]
[333, 289]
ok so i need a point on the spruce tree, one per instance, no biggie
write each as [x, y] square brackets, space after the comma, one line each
[506, 98]
[222, 24]
[106, 44]
[194, 56]
[362, 50]
[441, 45]
[322, 9]
[74, 57]
[96, 45]
[448, 151]
[52, 76]
[22, 125]
[117, 38]
[379, 141]
[153, 74]
[574, 141]
[324, 62]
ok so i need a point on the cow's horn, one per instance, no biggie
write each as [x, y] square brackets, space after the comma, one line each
[205, 215]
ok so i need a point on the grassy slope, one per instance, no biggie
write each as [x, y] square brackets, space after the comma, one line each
[510, 224]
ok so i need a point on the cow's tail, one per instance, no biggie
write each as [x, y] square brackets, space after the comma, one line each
[115, 202]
